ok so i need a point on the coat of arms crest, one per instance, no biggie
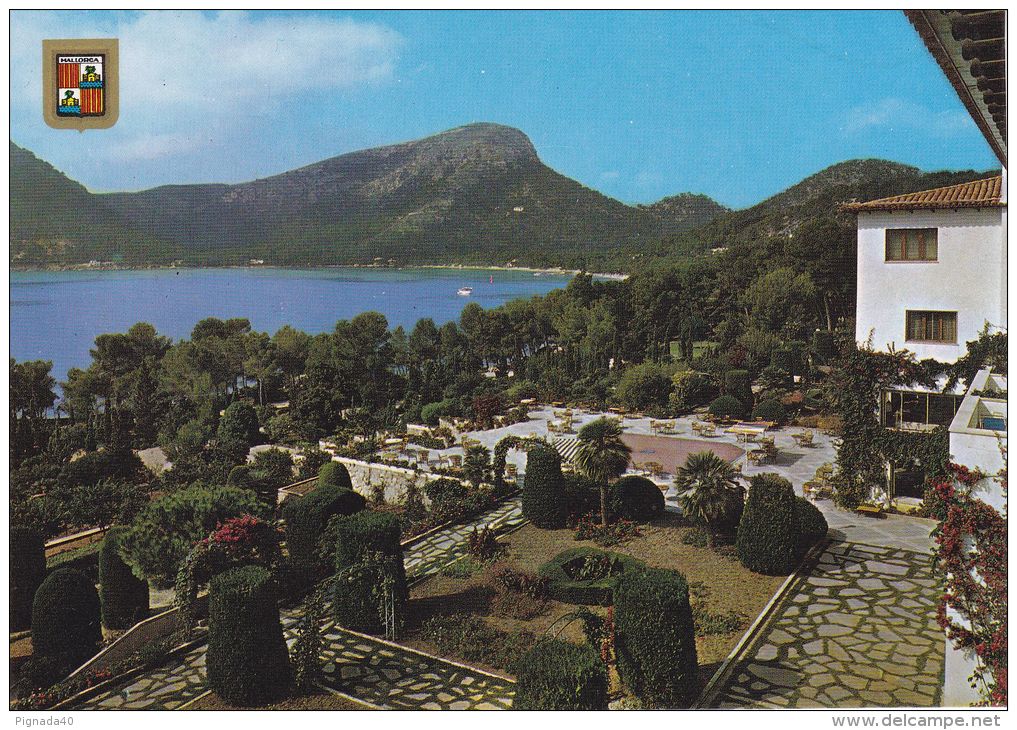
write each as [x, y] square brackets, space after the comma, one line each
[80, 83]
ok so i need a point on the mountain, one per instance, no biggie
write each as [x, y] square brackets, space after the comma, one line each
[54, 220]
[475, 194]
[685, 210]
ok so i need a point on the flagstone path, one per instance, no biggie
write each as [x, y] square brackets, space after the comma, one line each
[860, 631]
[372, 670]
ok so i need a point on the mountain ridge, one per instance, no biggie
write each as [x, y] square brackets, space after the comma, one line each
[475, 194]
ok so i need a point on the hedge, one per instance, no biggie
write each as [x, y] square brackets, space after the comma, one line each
[766, 540]
[557, 675]
[306, 518]
[636, 498]
[810, 525]
[770, 409]
[655, 639]
[544, 488]
[247, 660]
[84, 559]
[562, 571]
[334, 474]
[122, 595]
[357, 535]
[65, 621]
[727, 406]
[27, 572]
[164, 533]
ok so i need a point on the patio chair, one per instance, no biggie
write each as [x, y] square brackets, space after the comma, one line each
[803, 439]
[708, 429]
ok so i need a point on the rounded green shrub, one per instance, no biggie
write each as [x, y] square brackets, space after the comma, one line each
[27, 572]
[431, 412]
[557, 675]
[636, 498]
[655, 639]
[65, 620]
[362, 537]
[123, 596]
[727, 406]
[810, 525]
[770, 409]
[306, 519]
[586, 576]
[247, 660]
[334, 474]
[766, 540]
[544, 488]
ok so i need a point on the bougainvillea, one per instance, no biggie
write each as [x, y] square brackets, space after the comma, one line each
[972, 555]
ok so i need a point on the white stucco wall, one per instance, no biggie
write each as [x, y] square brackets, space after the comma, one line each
[969, 277]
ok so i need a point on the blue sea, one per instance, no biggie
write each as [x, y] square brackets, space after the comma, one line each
[57, 315]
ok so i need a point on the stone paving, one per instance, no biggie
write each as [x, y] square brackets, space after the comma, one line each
[859, 632]
[372, 670]
[435, 551]
[401, 680]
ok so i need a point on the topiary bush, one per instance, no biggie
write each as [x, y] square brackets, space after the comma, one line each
[557, 675]
[366, 539]
[306, 519]
[544, 488]
[810, 525]
[65, 622]
[334, 474]
[27, 572]
[636, 498]
[738, 384]
[586, 576]
[123, 596]
[247, 660]
[770, 409]
[164, 533]
[727, 406]
[582, 496]
[766, 541]
[655, 638]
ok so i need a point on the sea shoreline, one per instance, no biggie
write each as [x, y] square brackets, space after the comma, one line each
[554, 271]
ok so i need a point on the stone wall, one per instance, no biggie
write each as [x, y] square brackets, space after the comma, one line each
[394, 479]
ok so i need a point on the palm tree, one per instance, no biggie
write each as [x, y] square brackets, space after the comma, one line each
[709, 490]
[602, 456]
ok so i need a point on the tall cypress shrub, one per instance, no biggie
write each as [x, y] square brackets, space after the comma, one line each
[247, 660]
[65, 621]
[544, 502]
[767, 542]
[335, 475]
[357, 536]
[738, 384]
[306, 519]
[27, 572]
[557, 675]
[655, 638]
[123, 596]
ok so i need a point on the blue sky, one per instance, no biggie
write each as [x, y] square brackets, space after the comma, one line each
[639, 105]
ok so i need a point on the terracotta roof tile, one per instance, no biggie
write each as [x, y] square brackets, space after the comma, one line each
[976, 194]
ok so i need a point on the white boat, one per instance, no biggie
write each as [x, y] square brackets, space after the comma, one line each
[465, 291]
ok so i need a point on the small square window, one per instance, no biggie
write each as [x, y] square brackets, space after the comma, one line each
[931, 327]
[912, 244]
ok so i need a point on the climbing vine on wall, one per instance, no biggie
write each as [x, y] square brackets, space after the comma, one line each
[857, 381]
[972, 555]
